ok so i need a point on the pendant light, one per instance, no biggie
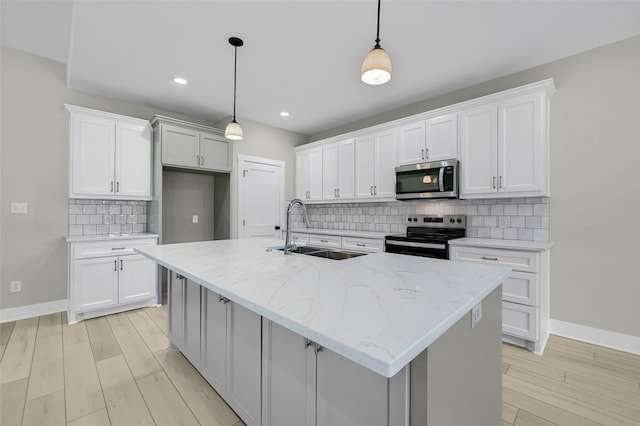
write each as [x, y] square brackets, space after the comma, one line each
[233, 130]
[376, 68]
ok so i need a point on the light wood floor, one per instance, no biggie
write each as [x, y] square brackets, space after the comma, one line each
[116, 370]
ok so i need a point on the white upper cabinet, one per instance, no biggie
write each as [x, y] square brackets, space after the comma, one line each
[110, 155]
[309, 174]
[434, 139]
[191, 146]
[504, 148]
[375, 164]
[338, 170]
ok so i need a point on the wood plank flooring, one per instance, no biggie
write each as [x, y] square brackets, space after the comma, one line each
[116, 370]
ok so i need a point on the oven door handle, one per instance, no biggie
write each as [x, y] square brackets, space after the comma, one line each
[441, 179]
[417, 245]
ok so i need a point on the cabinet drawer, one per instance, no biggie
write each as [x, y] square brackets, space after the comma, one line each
[331, 241]
[362, 244]
[520, 320]
[109, 248]
[525, 261]
[521, 287]
[297, 238]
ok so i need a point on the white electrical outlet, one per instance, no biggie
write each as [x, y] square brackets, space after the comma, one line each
[19, 208]
[476, 314]
[15, 287]
[194, 218]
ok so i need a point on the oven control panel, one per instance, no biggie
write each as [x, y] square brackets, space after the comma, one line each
[445, 221]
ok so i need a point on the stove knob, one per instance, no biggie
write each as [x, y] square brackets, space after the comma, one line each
[452, 220]
[459, 221]
[415, 219]
[409, 219]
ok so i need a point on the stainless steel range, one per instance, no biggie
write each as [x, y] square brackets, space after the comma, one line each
[427, 236]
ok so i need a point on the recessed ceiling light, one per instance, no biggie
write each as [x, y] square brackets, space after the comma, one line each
[284, 114]
[180, 80]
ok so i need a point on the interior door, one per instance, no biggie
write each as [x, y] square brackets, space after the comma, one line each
[260, 197]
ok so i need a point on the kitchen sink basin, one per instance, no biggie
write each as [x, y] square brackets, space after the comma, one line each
[323, 252]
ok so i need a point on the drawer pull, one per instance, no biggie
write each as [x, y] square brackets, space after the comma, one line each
[324, 241]
[118, 248]
[361, 245]
[489, 258]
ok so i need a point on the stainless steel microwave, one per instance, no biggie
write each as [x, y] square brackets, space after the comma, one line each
[438, 179]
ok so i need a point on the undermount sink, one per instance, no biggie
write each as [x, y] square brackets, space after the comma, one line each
[324, 252]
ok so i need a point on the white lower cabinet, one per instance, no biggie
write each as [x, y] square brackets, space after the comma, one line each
[107, 277]
[222, 340]
[525, 294]
[305, 384]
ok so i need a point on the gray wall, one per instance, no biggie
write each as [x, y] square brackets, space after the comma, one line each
[34, 168]
[186, 194]
[595, 180]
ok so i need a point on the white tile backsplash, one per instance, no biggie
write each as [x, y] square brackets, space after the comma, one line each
[509, 218]
[102, 217]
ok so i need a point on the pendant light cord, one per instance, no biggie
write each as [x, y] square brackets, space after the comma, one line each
[378, 32]
[235, 73]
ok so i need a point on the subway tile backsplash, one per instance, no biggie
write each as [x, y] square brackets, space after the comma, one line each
[524, 219]
[103, 217]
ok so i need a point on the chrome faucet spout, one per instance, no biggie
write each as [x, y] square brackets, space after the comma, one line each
[287, 241]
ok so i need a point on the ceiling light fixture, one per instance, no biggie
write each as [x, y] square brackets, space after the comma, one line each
[284, 114]
[233, 130]
[376, 68]
[180, 80]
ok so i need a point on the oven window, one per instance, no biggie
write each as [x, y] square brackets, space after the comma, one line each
[415, 251]
[417, 181]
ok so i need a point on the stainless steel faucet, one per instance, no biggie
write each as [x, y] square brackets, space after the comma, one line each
[287, 241]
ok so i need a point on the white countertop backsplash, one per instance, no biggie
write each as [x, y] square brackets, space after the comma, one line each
[379, 310]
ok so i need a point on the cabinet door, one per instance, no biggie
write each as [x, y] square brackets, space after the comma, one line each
[330, 171]
[244, 354]
[215, 152]
[302, 174]
[346, 168]
[315, 173]
[365, 166]
[176, 310]
[180, 147]
[133, 161]
[349, 394]
[411, 143]
[192, 322]
[522, 153]
[385, 164]
[288, 378]
[214, 340]
[442, 138]
[96, 283]
[137, 279]
[478, 151]
[92, 156]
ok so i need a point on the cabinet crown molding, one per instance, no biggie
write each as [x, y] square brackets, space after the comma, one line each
[73, 109]
[161, 119]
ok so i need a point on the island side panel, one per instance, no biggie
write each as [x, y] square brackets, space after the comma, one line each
[458, 379]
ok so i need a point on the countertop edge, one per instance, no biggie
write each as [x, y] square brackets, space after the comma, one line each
[90, 238]
[502, 244]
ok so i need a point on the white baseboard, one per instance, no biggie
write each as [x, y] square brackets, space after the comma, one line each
[596, 336]
[29, 311]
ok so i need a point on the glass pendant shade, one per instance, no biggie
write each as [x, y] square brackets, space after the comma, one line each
[233, 131]
[376, 68]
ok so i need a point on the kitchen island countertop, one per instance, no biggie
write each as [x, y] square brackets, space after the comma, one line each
[379, 310]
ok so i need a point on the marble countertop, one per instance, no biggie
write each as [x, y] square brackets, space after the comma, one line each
[380, 310]
[109, 237]
[503, 244]
[342, 232]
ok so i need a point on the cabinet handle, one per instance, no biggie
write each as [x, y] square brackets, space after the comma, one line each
[223, 300]
[179, 277]
[335, 193]
[324, 241]
[121, 264]
[307, 343]
[117, 186]
[493, 185]
[361, 245]
[197, 160]
[375, 190]
[115, 265]
[338, 192]
[489, 258]
[117, 248]
[202, 160]
[500, 185]
[111, 187]
[422, 155]
[371, 190]
[319, 348]
[427, 152]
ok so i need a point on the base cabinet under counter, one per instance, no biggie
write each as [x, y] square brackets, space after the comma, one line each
[525, 294]
[106, 277]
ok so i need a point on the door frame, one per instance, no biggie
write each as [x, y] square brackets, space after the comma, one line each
[270, 162]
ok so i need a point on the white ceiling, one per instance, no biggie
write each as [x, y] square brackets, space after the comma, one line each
[302, 56]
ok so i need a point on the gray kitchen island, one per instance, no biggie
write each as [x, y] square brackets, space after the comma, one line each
[379, 339]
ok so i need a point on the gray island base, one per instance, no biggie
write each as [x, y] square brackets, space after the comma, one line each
[382, 339]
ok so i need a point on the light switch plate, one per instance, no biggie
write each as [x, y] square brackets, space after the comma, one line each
[19, 208]
[15, 286]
